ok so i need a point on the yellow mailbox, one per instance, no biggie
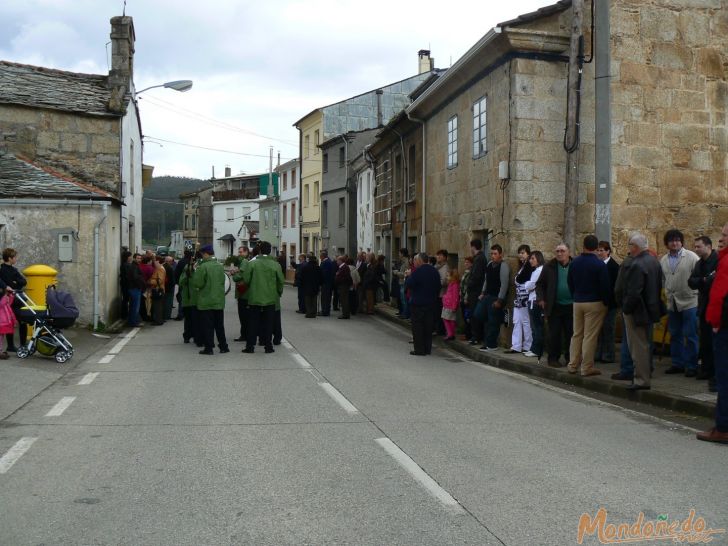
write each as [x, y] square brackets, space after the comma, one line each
[39, 277]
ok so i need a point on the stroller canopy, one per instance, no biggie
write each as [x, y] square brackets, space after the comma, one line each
[61, 304]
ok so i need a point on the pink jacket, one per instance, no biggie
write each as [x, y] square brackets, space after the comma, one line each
[452, 296]
[7, 317]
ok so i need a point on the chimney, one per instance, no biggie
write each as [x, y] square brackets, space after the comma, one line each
[380, 114]
[121, 75]
[228, 172]
[426, 63]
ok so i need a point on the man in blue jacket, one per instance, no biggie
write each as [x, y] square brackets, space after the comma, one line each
[590, 287]
[424, 286]
[328, 271]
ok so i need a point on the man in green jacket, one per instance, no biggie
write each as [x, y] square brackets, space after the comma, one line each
[264, 278]
[241, 291]
[209, 280]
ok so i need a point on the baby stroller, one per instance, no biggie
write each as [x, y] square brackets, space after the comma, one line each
[47, 339]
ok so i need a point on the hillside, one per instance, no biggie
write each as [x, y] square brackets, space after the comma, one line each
[159, 218]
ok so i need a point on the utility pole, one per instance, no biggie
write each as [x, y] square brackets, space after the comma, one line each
[571, 135]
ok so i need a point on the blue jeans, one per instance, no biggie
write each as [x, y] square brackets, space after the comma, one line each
[537, 329]
[683, 327]
[495, 321]
[405, 312]
[720, 351]
[135, 298]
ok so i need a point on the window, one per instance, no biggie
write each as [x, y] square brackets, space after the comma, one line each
[285, 215]
[266, 216]
[411, 182]
[293, 179]
[324, 213]
[229, 214]
[293, 214]
[306, 146]
[397, 179]
[292, 251]
[285, 181]
[342, 156]
[360, 188]
[315, 193]
[369, 185]
[452, 142]
[306, 196]
[326, 163]
[194, 222]
[131, 167]
[480, 146]
[187, 222]
[316, 141]
[246, 213]
[342, 211]
[275, 218]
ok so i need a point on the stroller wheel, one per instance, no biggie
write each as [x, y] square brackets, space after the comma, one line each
[23, 352]
[62, 356]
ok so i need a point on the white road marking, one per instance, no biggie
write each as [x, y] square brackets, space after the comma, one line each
[123, 341]
[106, 359]
[339, 398]
[61, 406]
[301, 360]
[424, 479]
[15, 452]
[88, 378]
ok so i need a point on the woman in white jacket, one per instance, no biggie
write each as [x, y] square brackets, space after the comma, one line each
[521, 336]
[536, 260]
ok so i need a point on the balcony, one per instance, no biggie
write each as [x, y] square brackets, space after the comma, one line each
[235, 195]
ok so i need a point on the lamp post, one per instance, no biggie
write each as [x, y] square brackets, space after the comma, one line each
[177, 85]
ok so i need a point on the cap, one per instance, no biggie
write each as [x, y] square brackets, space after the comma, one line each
[207, 249]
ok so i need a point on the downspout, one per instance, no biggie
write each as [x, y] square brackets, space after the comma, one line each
[603, 125]
[105, 212]
[423, 236]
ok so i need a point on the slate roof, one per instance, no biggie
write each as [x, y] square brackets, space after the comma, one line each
[40, 87]
[20, 178]
[524, 18]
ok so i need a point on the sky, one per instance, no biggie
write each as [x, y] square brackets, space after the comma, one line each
[257, 66]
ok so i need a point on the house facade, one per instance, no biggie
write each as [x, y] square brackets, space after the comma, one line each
[363, 172]
[83, 129]
[197, 223]
[289, 176]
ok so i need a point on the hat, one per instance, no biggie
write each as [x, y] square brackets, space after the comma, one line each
[207, 249]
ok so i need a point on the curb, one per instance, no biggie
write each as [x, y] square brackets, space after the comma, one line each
[659, 399]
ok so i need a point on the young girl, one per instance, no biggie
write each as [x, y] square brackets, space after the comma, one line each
[450, 304]
[7, 320]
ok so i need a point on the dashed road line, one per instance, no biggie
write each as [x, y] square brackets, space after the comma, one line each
[420, 476]
[61, 406]
[88, 378]
[339, 398]
[15, 452]
[106, 359]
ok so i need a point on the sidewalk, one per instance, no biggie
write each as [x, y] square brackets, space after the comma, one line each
[673, 392]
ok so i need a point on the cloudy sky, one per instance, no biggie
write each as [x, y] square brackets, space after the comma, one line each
[257, 66]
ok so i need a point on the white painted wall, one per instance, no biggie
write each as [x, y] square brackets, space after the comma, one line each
[291, 233]
[242, 210]
[131, 177]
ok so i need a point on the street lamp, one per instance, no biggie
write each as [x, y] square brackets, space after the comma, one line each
[177, 85]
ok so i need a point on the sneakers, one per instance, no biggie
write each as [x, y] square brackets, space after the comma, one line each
[488, 349]
[529, 354]
[511, 352]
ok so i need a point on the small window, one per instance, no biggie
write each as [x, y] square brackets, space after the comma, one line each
[187, 222]
[480, 145]
[285, 181]
[194, 222]
[315, 193]
[411, 182]
[229, 213]
[306, 146]
[326, 163]
[293, 214]
[324, 213]
[131, 167]
[342, 211]
[452, 142]
[342, 157]
[306, 197]
[316, 142]
[284, 215]
[293, 179]
[266, 217]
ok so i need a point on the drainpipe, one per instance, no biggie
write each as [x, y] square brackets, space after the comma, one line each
[423, 237]
[404, 194]
[104, 214]
[603, 125]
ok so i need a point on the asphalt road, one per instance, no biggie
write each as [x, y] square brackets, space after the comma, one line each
[339, 437]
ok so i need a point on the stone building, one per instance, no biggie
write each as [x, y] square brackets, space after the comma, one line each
[338, 200]
[72, 172]
[197, 226]
[652, 143]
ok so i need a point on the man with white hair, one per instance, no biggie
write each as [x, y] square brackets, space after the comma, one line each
[717, 316]
[641, 306]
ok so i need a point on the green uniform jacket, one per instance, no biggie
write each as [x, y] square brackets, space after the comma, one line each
[265, 281]
[238, 277]
[189, 294]
[209, 279]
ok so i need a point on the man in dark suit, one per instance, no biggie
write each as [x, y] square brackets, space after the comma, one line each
[605, 345]
[328, 272]
[424, 286]
[474, 286]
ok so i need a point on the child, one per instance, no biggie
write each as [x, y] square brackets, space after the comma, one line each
[450, 303]
[7, 320]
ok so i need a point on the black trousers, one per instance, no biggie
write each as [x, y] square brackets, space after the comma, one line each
[325, 300]
[311, 303]
[301, 300]
[561, 328]
[336, 298]
[243, 316]
[125, 301]
[180, 309]
[354, 301]
[158, 311]
[423, 321]
[260, 325]
[706, 348]
[344, 300]
[191, 329]
[212, 323]
[277, 327]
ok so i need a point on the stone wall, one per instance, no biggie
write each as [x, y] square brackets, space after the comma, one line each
[669, 103]
[85, 147]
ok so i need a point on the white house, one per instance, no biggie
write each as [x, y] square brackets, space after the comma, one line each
[289, 176]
